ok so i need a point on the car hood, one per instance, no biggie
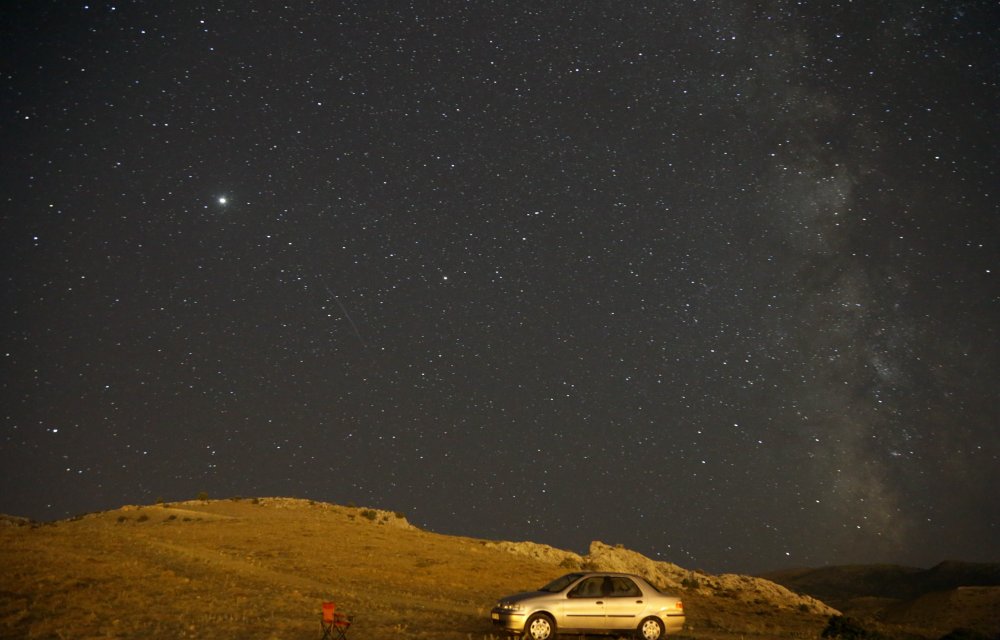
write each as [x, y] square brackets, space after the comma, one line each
[525, 595]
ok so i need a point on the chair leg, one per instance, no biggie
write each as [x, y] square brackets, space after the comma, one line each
[341, 629]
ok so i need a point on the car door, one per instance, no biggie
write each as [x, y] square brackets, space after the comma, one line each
[584, 606]
[625, 605]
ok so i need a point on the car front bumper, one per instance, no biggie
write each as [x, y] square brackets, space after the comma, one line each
[508, 620]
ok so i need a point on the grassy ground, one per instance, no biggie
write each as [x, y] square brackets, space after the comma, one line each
[260, 569]
[227, 569]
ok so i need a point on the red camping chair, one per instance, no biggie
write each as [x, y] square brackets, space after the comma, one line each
[335, 625]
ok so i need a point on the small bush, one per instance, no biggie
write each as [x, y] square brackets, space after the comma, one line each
[142, 518]
[964, 634]
[122, 519]
[369, 514]
[849, 629]
[202, 495]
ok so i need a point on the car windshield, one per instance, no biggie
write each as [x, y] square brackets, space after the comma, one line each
[559, 584]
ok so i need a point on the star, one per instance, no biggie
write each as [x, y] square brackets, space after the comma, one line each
[763, 263]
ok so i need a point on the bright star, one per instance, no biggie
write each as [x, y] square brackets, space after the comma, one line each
[223, 200]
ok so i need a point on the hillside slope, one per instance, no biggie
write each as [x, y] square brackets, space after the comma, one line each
[936, 600]
[260, 569]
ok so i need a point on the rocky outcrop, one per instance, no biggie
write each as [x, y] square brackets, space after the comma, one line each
[671, 577]
[362, 514]
[536, 551]
[603, 557]
[13, 521]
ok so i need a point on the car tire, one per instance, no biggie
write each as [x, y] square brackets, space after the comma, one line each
[650, 629]
[539, 627]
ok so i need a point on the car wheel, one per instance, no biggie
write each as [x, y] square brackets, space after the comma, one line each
[539, 627]
[650, 629]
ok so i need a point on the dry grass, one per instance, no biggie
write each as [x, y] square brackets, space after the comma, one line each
[226, 569]
[238, 568]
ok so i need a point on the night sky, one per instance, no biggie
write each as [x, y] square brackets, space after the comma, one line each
[715, 280]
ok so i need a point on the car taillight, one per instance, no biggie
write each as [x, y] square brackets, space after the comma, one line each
[679, 605]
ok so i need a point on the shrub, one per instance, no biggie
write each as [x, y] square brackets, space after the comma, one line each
[202, 495]
[849, 629]
[690, 583]
[964, 634]
[370, 514]
[142, 518]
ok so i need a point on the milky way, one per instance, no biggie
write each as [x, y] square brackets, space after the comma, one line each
[712, 280]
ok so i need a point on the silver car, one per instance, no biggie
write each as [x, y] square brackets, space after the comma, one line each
[591, 602]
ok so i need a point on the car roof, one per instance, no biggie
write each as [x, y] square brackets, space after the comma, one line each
[589, 574]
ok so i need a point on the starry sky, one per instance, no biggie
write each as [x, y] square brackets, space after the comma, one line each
[712, 279]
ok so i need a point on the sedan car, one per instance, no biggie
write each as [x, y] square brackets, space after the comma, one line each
[591, 602]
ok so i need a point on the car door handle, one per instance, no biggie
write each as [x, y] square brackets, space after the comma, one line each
[638, 601]
[599, 602]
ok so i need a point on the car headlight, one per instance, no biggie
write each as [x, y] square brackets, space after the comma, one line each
[509, 606]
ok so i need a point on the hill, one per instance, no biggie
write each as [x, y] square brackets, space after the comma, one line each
[260, 568]
[944, 597]
[841, 584]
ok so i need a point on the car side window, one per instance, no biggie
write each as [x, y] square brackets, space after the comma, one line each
[589, 588]
[624, 588]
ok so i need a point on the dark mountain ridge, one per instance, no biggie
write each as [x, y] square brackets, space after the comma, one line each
[838, 585]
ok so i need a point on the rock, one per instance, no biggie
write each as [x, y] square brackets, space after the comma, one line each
[671, 577]
[666, 575]
[13, 521]
[538, 551]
